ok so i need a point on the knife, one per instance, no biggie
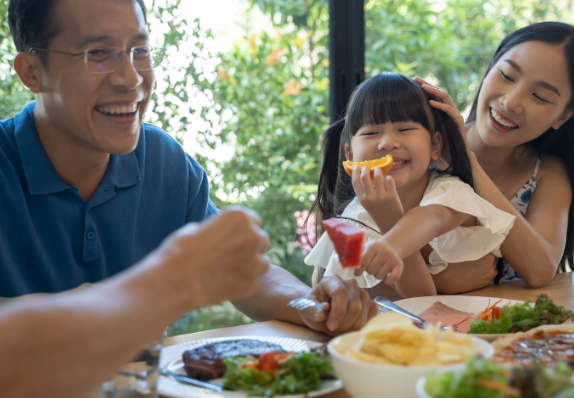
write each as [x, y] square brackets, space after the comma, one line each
[188, 380]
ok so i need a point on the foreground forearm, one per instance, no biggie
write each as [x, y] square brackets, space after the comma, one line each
[66, 345]
[276, 288]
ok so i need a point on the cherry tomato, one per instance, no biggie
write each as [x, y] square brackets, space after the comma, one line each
[267, 362]
[497, 312]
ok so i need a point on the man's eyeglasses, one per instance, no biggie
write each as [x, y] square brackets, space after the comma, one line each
[106, 59]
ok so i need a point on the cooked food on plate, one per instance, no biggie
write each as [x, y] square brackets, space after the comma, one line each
[495, 319]
[481, 378]
[278, 374]
[260, 368]
[392, 339]
[548, 344]
[206, 362]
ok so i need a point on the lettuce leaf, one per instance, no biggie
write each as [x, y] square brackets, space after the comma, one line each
[502, 325]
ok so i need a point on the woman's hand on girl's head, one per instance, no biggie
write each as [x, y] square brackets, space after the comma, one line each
[382, 262]
[444, 103]
[378, 196]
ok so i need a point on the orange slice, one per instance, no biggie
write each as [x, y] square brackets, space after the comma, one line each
[385, 164]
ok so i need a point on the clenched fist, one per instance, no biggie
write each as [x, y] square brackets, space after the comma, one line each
[218, 259]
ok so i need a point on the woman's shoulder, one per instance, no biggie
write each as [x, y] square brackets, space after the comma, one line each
[552, 169]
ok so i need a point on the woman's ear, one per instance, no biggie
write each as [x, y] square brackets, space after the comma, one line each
[436, 146]
[348, 153]
[30, 69]
[563, 119]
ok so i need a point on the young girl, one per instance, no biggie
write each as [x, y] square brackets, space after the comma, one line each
[416, 204]
[521, 134]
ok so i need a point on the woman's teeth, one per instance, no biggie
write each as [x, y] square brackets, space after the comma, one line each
[118, 110]
[399, 162]
[498, 117]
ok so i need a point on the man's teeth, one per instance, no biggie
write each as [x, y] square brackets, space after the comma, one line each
[399, 162]
[117, 110]
[496, 116]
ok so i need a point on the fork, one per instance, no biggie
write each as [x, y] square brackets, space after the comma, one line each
[302, 303]
[386, 303]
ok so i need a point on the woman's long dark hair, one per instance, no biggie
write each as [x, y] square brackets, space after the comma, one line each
[388, 97]
[555, 142]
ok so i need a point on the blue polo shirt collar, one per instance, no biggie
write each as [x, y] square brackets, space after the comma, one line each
[41, 176]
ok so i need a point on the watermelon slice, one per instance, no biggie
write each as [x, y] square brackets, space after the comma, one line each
[348, 241]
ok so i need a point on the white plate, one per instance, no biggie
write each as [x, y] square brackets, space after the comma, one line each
[171, 359]
[472, 304]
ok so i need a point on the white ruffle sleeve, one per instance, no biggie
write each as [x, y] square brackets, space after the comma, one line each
[323, 254]
[465, 243]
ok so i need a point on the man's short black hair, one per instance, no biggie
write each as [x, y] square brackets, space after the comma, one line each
[31, 22]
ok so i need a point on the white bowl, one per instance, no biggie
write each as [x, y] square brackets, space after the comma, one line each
[368, 380]
[420, 388]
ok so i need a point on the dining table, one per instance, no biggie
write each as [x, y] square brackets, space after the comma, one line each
[560, 289]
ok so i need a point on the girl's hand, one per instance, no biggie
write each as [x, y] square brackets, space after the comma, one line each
[378, 196]
[444, 103]
[382, 262]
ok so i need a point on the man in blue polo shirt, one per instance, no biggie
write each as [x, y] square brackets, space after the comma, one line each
[88, 189]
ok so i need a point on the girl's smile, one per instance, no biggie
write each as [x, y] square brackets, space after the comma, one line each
[398, 163]
[409, 143]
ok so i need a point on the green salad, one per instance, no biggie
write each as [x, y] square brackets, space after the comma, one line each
[298, 373]
[522, 317]
[481, 378]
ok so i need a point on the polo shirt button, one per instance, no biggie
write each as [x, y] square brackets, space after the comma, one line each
[91, 235]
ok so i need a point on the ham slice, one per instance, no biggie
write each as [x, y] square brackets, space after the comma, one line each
[447, 316]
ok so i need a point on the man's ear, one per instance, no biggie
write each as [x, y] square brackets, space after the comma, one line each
[436, 146]
[563, 119]
[30, 69]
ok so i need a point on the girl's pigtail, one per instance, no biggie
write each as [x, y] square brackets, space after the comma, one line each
[324, 205]
[454, 147]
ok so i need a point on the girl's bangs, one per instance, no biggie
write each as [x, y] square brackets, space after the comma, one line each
[388, 97]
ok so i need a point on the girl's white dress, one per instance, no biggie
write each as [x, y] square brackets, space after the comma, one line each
[459, 245]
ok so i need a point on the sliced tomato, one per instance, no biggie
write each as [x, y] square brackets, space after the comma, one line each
[497, 312]
[268, 362]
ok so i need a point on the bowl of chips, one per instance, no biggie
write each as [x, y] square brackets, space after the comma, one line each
[389, 355]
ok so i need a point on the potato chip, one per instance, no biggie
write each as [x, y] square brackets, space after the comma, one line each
[393, 339]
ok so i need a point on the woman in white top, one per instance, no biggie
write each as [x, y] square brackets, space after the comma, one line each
[521, 136]
[412, 208]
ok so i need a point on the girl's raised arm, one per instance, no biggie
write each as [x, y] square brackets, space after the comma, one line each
[383, 258]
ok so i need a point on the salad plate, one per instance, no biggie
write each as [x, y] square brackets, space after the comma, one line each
[471, 304]
[171, 360]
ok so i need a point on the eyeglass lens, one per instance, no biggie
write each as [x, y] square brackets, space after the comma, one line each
[107, 59]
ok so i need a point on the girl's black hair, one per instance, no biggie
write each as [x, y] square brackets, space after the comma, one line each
[559, 142]
[388, 97]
